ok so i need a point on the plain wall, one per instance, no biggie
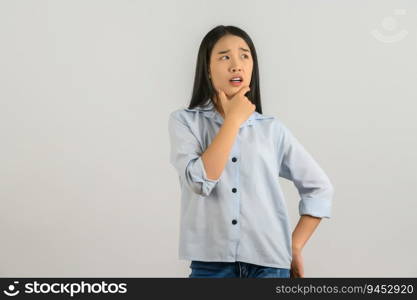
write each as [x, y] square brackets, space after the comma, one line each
[86, 188]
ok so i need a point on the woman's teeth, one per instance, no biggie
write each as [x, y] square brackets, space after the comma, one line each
[236, 82]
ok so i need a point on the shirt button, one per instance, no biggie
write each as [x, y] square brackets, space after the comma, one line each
[234, 190]
[234, 222]
[234, 159]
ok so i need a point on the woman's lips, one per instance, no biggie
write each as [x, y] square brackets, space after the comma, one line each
[236, 83]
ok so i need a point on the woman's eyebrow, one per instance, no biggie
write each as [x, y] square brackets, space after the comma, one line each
[225, 51]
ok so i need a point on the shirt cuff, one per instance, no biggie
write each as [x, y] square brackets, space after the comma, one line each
[319, 206]
[199, 176]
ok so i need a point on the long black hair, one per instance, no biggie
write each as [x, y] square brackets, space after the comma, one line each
[203, 90]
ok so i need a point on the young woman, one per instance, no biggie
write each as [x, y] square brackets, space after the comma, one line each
[228, 155]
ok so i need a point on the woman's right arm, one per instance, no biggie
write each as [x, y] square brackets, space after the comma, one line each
[216, 155]
[197, 166]
[236, 111]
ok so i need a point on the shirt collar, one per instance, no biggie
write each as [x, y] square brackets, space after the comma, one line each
[210, 111]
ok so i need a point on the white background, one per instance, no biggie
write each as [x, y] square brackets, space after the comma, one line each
[86, 87]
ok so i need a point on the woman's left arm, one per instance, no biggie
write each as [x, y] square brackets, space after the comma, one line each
[302, 232]
[315, 189]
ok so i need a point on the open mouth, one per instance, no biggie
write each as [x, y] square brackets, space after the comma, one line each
[236, 81]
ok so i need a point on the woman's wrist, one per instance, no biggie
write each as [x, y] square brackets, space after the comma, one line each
[232, 121]
[296, 249]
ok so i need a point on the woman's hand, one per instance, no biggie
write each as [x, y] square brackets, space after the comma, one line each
[239, 107]
[297, 265]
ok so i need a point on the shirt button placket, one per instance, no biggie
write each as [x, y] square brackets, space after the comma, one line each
[235, 194]
[234, 190]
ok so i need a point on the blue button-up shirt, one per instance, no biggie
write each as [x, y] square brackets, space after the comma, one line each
[242, 216]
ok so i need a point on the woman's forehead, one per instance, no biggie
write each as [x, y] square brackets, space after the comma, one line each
[230, 42]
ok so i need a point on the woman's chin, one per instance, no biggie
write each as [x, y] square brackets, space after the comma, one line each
[231, 92]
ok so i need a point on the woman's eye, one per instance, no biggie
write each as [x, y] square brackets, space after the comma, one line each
[247, 56]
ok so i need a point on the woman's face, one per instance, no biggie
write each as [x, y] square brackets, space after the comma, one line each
[230, 57]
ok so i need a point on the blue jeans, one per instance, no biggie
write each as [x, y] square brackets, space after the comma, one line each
[204, 269]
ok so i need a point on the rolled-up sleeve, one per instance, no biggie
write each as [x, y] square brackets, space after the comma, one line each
[313, 185]
[185, 156]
